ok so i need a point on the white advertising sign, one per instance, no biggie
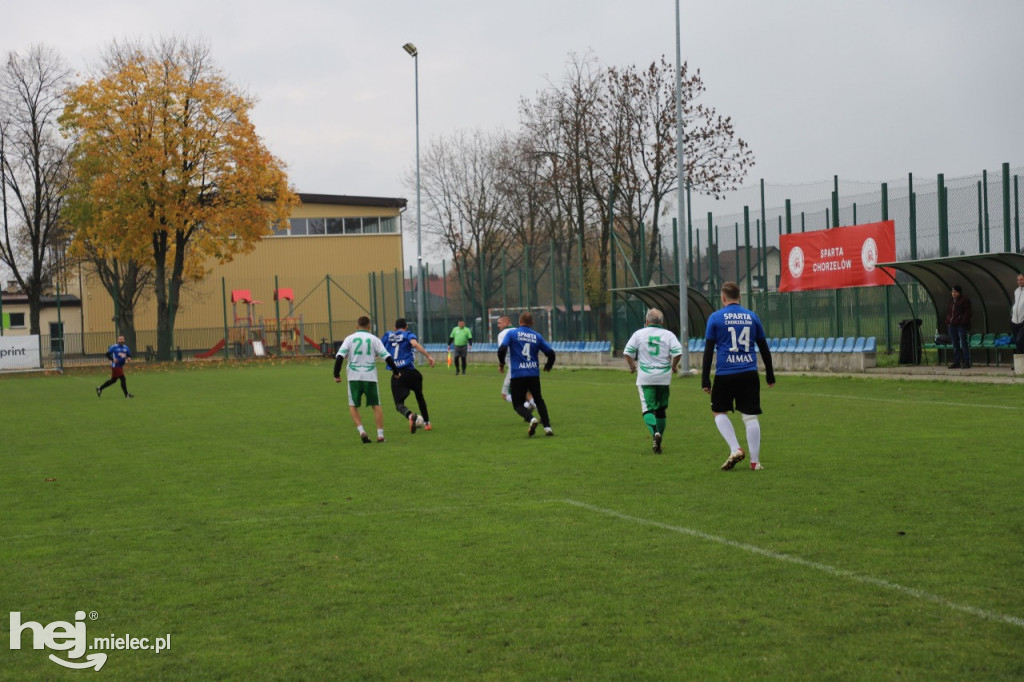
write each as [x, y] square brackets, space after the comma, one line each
[19, 352]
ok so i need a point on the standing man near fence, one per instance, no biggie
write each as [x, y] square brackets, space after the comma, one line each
[522, 346]
[733, 332]
[362, 350]
[958, 317]
[461, 339]
[653, 354]
[118, 354]
[402, 344]
[1017, 315]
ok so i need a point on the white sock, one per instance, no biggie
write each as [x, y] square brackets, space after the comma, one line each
[380, 433]
[753, 436]
[728, 432]
[527, 405]
[508, 398]
[362, 431]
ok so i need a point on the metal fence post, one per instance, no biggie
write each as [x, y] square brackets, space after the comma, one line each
[1006, 207]
[224, 303]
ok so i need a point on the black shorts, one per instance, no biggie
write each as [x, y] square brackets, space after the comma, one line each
[411, 381]
[742, 391]
[519, 386]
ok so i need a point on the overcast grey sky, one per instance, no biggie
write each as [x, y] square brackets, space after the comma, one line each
[864, 89]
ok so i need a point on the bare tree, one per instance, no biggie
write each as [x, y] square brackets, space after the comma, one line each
[34, 170]
[561, 126]
[638, 123]
[601, 135]
[532, 214]
[462, 177]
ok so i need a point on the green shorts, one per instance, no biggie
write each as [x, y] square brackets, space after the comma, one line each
[653, 398]
[358, 389]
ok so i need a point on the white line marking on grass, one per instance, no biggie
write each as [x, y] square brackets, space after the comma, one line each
[831, 570]
[914, 401]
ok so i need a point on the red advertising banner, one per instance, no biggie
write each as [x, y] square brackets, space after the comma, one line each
[838, 258]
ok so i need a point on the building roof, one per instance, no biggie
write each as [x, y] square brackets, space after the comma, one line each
[344, 200]
[727, 264]
[47, 301]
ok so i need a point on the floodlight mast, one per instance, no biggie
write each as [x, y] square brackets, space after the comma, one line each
[415, 54]
[684, 320]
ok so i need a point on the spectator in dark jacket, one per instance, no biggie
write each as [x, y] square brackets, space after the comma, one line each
[958, 318]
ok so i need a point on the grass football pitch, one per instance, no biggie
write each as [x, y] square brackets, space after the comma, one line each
[232, 512]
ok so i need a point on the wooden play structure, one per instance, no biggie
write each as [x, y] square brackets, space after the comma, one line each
[288, 329]
[252, 335]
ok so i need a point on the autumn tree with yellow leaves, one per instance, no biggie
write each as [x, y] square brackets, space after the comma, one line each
[169, 173]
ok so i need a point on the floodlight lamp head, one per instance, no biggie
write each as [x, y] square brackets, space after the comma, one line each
[411, 49]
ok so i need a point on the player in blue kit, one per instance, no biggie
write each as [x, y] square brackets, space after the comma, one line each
[521, 345]
[118, 354]
[733, 332]
[401, 344]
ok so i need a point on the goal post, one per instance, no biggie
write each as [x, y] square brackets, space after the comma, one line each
[542, 319]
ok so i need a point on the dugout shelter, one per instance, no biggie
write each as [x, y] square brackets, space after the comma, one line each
[988, 279]
[665, 297]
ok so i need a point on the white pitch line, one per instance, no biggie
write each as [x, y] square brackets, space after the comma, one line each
[825, 568]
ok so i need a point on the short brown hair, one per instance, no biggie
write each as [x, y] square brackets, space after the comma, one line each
[731, 291]
[526, 319]
[363, 321]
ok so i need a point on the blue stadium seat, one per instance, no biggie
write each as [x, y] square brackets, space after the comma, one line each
[699, 346]
[819, 345]
[871, 345]
[848, 344]
[800, 343]
[858, 345]
[773, 344]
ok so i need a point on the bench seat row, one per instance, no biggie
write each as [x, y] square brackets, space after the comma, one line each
[840, 344]
[557, 346]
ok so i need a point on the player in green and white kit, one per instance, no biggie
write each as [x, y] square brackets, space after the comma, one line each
[363, 349]
[653, 354]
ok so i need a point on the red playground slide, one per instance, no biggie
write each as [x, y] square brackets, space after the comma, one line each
[210, 353]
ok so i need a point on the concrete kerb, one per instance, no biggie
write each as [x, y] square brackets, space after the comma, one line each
[844, 364]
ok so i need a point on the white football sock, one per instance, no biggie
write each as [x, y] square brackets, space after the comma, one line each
[728, 432]
[753, 436]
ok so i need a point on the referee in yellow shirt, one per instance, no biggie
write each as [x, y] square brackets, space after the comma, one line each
[461, 339]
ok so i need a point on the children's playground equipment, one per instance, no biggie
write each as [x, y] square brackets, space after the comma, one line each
[249, 338]
[288, 329]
